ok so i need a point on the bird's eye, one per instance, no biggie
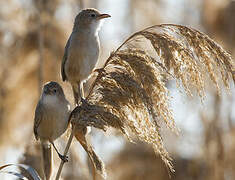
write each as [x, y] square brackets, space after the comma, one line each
[54, 90]
[92, 15]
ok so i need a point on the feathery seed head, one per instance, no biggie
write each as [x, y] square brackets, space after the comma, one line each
[130, 93]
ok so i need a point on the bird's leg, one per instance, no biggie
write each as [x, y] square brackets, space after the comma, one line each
[82, 90]
[62, 157]
[75, 94]
[83, 100]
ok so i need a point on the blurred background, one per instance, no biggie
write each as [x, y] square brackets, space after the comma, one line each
[33, 34]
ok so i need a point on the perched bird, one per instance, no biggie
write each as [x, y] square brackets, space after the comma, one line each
[82, 50]
[51, 121]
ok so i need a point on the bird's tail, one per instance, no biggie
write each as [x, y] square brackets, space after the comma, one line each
[47, 159]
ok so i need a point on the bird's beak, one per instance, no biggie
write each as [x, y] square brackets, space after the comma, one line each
[102, 16]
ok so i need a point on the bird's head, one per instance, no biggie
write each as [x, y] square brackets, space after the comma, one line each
[89, 19]
[53, 89]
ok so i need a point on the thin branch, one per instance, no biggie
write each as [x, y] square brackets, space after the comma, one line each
[65, 154]
[81, 4]
[40, 51]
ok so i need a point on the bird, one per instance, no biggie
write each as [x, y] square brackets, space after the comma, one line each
[81, 52]
[50, 122]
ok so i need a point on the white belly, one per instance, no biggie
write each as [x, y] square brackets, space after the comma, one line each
[82, 59]
[55, 120]
[88, 65]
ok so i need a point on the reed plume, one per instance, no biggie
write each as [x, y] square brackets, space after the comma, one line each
[130, 94]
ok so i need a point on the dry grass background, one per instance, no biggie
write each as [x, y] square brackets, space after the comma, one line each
[19, 66]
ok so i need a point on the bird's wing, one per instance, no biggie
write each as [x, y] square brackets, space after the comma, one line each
[64, 60]
[37, 119]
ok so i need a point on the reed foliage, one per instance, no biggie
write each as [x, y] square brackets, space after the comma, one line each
[130, 93]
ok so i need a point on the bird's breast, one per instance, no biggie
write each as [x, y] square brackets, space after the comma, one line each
[82, 58]
[55, 119]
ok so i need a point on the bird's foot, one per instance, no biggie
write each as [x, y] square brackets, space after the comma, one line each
[83, 100]
[99, 70]
[63, 158]
[84, 103]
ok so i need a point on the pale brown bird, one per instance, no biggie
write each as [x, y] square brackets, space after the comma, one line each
[82, 50]
[51, 121]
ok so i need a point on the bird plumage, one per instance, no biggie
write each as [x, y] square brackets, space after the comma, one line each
[50, 121]
[82, 50]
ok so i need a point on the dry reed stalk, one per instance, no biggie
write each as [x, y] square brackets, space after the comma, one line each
[65, 154]
[129, 93]
[40, 47]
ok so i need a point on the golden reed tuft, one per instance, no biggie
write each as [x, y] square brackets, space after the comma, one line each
[130, 93]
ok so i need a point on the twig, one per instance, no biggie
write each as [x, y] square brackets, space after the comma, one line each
[81, 4]
[65, 154]
[40, 50]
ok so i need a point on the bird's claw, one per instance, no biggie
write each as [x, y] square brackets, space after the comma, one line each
[99, 70]
[84, 101]
[63, 158]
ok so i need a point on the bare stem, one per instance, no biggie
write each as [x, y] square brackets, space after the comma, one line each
[40, 50]
[65, 154]
[81, 4]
